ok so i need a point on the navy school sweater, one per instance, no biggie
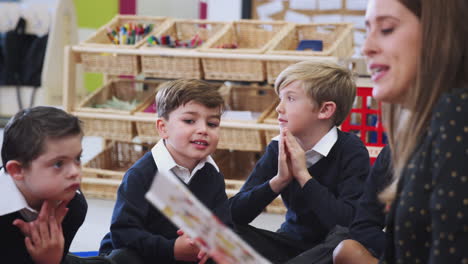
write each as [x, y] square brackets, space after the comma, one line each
[326, 200]
[12, 246]
[138, 225]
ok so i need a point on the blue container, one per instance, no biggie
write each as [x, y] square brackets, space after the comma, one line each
[310, 44]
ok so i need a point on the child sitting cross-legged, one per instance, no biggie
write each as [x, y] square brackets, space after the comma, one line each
[189, 117]
[317, 169]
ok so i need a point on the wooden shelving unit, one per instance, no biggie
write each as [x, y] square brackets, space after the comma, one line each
[104, 188]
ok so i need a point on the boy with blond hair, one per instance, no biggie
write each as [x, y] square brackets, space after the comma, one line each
[189, 117]
[317, 169]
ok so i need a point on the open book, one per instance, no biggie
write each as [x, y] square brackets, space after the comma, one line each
[175, 201]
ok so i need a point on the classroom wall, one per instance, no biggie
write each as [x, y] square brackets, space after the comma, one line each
[91, 15]
[224, 10]
[170, 8]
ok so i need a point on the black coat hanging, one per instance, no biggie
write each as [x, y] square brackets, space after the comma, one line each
[23, 58]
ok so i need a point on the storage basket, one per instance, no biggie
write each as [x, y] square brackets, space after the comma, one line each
[337, 41]
[270, 116]
[254, 99]
[103, 173]
[251, 37]
[163, 65]
[146, 130]
[124, 90]
[116, 64]
[235, 164]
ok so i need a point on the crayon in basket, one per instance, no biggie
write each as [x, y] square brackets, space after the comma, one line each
[128, 33]
[112, 35]
[169, 41]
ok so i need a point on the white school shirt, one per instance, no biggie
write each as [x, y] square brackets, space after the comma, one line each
[165, 163]
[321, 149]
[13, 200]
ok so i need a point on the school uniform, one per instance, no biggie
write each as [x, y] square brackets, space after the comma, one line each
[14, 206]
[338, 164]
[139, 226]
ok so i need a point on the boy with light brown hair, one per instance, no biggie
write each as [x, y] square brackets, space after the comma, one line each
[317, 169]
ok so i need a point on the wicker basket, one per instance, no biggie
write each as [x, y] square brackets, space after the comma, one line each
[105, 62]
[244, 98]
[146, 130]
[251, 37]
[270, 116]
[337, 40]
[235, 164]
[125, 90]
[180, 66]
[102, 174]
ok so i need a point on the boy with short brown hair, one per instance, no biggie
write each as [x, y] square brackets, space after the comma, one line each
[189, 117]
[40, 178]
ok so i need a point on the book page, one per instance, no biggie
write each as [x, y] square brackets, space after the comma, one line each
[178, 204]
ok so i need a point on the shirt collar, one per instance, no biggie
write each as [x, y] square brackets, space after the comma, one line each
[321, 148]
[326, 143]
[167, 164]
[16, 201]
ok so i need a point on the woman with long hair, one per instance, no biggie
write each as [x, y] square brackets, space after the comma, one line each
[417, 53]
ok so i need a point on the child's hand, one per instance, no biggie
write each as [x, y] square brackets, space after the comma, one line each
[284, 176]
[202, 257]
[59, 212]
[296, 158]
[184, 248]
[45, 241]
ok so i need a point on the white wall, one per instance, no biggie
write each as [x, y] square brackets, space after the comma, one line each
[171, 8]
[218, 10]
[224, 10]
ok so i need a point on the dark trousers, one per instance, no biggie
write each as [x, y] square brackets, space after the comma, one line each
[128, 256]
[323, 252]
[280, 248]
[274, 246]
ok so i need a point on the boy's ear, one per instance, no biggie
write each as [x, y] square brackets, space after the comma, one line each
[15, 169]
[161, 126]
[327, 110]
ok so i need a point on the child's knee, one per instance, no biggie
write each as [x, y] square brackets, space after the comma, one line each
[345, 250]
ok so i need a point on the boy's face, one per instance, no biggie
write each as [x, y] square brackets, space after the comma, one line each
[296, 111]
[55, 174]
[191, 133]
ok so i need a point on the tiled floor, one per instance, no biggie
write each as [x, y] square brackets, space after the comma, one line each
[97, 220]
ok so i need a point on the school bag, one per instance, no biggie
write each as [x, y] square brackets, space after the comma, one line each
[22, 58]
